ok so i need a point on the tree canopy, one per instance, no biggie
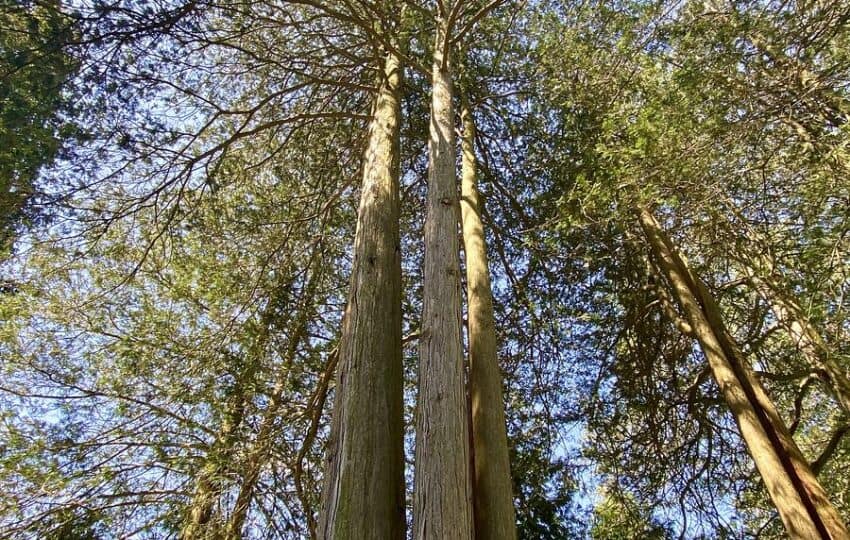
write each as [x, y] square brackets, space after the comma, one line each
[275, 269]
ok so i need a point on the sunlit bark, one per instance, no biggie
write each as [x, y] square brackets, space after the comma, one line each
[800, 500]
[492, 492]
[442, 493]
[363, 495]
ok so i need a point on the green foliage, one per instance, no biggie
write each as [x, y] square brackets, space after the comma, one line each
[34, 69]
[147, 332]
[72, 525]
[620, 516]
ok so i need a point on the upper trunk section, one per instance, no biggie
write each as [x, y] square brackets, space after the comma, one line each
[493, 503]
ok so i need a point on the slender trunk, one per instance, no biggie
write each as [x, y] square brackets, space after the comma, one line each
[209, 482]
[493, 502]
[805, 337]
[363, 494]
[443, 492]
[800, 500]
[316, 406]
[259, 454]
[253, 466]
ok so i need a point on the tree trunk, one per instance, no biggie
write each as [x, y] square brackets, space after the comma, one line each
[443, 492]
[208, 485]
[492, 494]
[801, 501]
[259, 453]
[209, 482]
[363, 493]
[807, 339]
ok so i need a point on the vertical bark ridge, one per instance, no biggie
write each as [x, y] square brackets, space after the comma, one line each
[492, 491]
[802, 503]
[363, 494]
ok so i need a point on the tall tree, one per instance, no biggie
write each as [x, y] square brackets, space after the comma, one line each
[363, 493]
[492, 493]
[133, 389]
[442, 503]
[802, 503]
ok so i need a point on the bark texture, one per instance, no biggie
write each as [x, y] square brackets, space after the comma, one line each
[443, 492]
[802, 503]
[492, 493]
[363, 493]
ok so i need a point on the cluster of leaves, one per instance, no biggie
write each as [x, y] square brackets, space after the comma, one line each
[702, 111]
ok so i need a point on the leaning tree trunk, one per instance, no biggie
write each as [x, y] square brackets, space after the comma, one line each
[492, 498]
[363, 493]
[442, 503]
[804, 335]
[802, 503]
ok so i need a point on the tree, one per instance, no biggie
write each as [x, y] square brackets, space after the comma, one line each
[802, 503]
[493, 502]
[224, 263]
[685, 142]
[364, 491]
[160, 361]
[443, 491]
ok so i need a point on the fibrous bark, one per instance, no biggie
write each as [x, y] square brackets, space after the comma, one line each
[442, 492]
[363, 493]
[802, 503]
[493, 501]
